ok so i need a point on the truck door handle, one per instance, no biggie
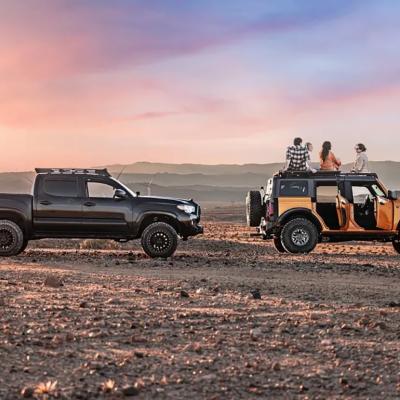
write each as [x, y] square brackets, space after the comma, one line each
[45, 202]
[89, 204]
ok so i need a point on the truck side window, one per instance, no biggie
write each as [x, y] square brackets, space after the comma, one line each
[100, 189]
[61, 188]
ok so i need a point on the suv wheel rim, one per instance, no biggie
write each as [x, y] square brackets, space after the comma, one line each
[160, 241]
[300, 237]
[6, 239]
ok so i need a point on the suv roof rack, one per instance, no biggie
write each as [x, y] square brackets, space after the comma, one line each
[319, 174]
[73, 171]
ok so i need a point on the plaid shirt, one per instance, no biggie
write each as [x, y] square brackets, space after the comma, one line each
[298, 157]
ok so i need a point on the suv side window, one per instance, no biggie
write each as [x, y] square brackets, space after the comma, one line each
[293, 188]
[99, 190]
[61, 187]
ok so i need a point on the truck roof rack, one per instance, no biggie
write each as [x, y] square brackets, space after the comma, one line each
[319, 174]
[73, 171]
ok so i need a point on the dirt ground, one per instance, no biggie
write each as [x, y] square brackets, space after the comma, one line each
[226, 318]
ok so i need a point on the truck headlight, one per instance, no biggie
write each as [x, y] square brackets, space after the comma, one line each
[187, 208]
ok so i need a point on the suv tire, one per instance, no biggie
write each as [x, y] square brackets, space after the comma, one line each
[299, 235]
[396, 245]
[278, 245]
[254, 208]
[159, 240]
[11, 238]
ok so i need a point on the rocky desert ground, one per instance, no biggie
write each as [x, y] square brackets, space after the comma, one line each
[226, 318]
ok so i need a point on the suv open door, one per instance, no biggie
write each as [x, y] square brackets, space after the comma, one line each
[384, 213]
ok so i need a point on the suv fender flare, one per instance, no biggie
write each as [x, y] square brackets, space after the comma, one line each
[300, 212]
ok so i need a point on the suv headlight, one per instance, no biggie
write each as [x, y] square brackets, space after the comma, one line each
[187, 208]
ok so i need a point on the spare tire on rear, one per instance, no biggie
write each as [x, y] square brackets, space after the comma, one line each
[254, 208]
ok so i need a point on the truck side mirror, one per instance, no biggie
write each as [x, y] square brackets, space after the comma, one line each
[120, 194]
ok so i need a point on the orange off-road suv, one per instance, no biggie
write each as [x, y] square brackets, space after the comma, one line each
[298, 210]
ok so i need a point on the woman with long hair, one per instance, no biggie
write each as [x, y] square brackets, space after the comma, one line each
[328, 161]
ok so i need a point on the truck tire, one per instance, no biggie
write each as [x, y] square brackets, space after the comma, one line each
[396, 245]
[254, 208]
[278, 245]
[159, 240]
[11, 238]
[299, 235]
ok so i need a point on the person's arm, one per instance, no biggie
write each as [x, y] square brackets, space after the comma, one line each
[288, 157]
[358, 164]
[309, 167]
[337, 162]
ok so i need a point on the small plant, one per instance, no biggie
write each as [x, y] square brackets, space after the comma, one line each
[46, 388]
[108, 386]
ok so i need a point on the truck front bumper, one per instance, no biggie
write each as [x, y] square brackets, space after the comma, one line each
[191, 227]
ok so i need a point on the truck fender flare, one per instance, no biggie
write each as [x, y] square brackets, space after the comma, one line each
[156, 214]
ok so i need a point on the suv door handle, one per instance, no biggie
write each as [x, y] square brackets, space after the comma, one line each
[45, 202]
[89, 204]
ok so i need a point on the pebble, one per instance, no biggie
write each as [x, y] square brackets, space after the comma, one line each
[27, 392]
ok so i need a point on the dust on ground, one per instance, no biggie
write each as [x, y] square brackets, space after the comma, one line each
[226, 318]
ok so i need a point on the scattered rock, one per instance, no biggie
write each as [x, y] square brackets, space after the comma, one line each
[256, 294]
[184, 294]
[129, 391]
[27, 392]
[256, 333]
[53, 281]
[276, 366]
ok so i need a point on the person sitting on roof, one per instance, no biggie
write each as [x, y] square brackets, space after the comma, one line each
[361, 163]
[328, 161]
[298, 157]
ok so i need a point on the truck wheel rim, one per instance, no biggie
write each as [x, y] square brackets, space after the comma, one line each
[159, 241]
[300, 237]
[6, 239]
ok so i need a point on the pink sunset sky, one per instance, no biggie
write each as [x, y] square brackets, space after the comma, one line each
[96, 82]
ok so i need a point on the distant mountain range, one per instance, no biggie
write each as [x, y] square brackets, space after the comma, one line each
[213, 183]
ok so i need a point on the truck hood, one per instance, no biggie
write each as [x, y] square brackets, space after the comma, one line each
[169, 200]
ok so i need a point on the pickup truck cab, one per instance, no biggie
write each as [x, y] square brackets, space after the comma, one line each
[90, 203]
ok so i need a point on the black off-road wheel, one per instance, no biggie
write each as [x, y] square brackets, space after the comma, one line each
[159, 240]
[254, 208]
[299, 235]
[11, 239]
[396, 245]
[278, 245]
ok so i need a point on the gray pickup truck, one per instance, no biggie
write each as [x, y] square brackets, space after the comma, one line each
[89, 203]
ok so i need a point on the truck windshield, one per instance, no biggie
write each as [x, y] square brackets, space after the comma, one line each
[125, 187]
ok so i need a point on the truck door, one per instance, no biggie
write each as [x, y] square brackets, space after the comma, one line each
[384, 213]
[58, 206]
[103, 213]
